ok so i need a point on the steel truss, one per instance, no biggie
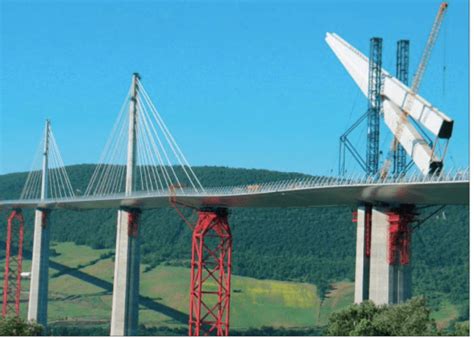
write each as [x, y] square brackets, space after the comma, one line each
[13, 265]
[370, 165]
[400, 155]
[209, 301]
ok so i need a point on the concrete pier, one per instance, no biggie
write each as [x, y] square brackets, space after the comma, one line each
[404, 283]
[362, 265]
[389, 283]
[382, 275]
[38, 299]
[127, 277]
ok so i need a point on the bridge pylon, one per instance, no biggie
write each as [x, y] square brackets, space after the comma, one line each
[38, 298]
[124, 320]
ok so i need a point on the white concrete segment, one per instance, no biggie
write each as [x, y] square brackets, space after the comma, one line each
[411, 140]
[421, 110]
[357, 64]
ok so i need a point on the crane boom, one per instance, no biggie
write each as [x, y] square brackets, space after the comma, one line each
[429, 47]
[415, 85]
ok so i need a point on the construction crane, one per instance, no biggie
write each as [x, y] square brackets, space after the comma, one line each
[415, 87]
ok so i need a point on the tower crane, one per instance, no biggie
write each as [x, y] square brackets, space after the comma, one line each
[414, 90]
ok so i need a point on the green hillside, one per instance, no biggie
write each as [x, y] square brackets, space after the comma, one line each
[80, 292]
[314, 247]
[75, 296]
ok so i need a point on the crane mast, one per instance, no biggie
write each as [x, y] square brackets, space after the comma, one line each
[416, 84]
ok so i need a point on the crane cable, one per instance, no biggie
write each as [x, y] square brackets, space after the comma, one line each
[445, 47]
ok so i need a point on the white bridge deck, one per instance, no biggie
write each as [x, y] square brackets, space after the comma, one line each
[311, 192]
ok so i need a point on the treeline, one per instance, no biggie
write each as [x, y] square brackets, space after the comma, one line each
[61, 330]
[309, 245]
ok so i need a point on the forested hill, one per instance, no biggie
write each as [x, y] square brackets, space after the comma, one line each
[312, 245]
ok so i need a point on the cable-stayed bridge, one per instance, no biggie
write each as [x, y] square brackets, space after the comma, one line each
[143, 167]
[450, 188]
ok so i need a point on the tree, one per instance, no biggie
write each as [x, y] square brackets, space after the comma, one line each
[366, 319]
[461, 329]
[16, 326]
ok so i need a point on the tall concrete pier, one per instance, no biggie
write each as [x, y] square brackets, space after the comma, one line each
[385, 275]
[127, 253]
[383, 282]
[38, 300]
[362, 269]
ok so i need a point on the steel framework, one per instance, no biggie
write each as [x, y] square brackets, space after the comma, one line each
[209, 301]
[371, 163]
[400, 155]
[375, 104]
[13, 265]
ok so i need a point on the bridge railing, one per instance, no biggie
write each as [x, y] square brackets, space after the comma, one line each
[284, 185]
[315, 182]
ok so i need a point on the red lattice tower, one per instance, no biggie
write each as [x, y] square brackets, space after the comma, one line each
[13, 262]
[209, 304]
[400, 235]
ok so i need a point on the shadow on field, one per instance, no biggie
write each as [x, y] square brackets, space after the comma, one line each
[107, 286]
[144, 301]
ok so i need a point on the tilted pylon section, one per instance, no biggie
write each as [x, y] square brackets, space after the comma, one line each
[395, 96]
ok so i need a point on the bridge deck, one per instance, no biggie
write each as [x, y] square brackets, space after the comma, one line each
[292, 194]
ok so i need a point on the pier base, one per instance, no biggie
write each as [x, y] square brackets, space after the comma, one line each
[38, 300]
[390, 274]
[127, 275]
[363, 217]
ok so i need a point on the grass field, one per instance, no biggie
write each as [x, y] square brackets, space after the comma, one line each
[80, 290]
[340, 297]
[445, 314]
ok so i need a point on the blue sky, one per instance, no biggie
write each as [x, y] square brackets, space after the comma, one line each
[240, 83]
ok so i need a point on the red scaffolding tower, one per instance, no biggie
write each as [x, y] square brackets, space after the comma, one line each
[13, 262]
[209, 303]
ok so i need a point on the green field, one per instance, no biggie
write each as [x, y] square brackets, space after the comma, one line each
[80, 291]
